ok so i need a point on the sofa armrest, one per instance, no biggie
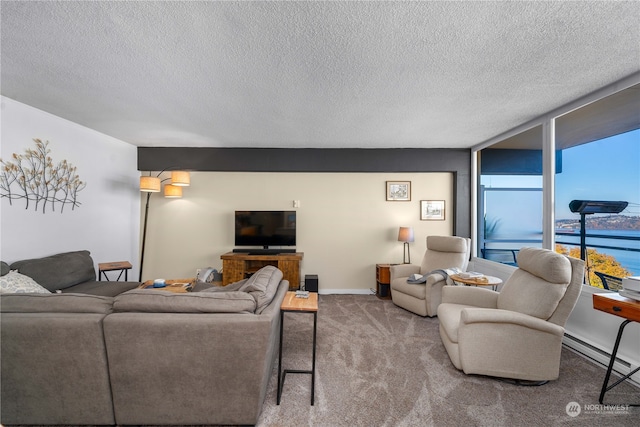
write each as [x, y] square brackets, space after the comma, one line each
[470, 316]
[403, 270]
[473, 296]
[434, 278]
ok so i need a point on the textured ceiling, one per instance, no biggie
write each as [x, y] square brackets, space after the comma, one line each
[312, 74]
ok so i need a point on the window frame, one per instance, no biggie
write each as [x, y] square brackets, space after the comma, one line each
[548, 123]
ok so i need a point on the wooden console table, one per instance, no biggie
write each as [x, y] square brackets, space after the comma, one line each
[237, 266]
[629, 310]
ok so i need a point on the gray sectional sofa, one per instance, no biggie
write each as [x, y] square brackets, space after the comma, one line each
[141, 357]
[68, 272]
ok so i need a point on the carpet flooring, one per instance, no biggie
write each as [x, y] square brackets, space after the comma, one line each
[379, 365]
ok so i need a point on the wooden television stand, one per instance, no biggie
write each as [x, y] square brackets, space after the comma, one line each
[237, 266]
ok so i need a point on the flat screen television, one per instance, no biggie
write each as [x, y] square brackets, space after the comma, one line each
[265, 228]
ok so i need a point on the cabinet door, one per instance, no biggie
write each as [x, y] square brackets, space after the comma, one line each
[383, 274]
[232, 271]
[291, 272]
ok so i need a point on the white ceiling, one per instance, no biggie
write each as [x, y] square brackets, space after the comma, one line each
[312, 74]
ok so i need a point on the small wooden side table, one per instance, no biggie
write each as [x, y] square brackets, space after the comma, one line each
[629, 310]
[492, 281]
[123, 266]
[383, 281]
[293, 304]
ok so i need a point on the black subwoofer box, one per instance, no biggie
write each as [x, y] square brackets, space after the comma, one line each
[311, 282]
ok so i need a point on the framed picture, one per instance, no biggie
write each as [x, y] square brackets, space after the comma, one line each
[399, 191]
[432, 210]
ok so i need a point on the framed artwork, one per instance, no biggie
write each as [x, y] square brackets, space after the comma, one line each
[432, 210]
[399, 191]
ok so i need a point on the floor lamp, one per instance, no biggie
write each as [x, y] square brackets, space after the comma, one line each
[589, 207]
[151, 184]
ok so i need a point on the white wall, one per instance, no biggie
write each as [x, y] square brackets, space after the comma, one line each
[344, 224]
[107, 221]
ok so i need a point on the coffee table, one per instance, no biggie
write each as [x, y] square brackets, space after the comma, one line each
[179, 286]
[492, 281]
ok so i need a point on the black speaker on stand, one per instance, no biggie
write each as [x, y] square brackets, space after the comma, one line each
[311, 283]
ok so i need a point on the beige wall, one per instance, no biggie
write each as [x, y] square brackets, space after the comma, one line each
[345, 225]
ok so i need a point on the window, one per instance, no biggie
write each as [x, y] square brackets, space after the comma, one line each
[510, 197]
[603, 170]
[597, 157]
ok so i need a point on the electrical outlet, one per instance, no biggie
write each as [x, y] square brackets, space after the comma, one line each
[198, 270]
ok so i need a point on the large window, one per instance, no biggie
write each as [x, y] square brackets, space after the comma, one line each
[596, 157]
[600, 145]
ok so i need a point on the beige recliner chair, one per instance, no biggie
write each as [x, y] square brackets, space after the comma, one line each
[516, 333]
[424, 298]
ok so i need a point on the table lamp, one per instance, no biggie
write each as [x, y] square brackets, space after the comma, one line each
[405, 234]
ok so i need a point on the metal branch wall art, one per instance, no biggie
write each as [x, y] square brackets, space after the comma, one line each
[33, 178]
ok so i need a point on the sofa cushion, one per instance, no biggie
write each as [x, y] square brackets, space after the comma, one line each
[538, 285]
[153, 301]
[58, 271]
[105, 289]
[449, 318]
[16, 283]
[4, 268]
[262, 286]
[235, 286]
[548, 265]
[416, 290]
[445, 252]
[447, 244]
[55, 303]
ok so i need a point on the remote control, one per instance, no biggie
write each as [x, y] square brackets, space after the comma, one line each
[302, 294]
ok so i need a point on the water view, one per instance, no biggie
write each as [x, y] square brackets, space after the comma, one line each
[628, 257]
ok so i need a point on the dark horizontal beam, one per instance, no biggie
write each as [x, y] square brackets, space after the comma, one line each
[455, 161]
[302, 159]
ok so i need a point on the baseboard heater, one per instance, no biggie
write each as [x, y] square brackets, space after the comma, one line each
[589, 351]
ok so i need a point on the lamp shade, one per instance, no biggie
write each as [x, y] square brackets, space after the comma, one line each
[172, 191]
[150, 184]
[180, 178]
[405, 234]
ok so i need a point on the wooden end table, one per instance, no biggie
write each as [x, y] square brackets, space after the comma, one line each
[292, 304]
[123, 266]
[383, 281]
[492, 281]
[629, 310]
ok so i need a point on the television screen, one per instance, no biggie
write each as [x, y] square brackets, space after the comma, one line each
[265, 228]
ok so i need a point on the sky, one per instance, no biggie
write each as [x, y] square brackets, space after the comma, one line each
[608, 169]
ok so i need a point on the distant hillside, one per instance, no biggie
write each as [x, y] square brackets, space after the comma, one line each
[593, 222]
